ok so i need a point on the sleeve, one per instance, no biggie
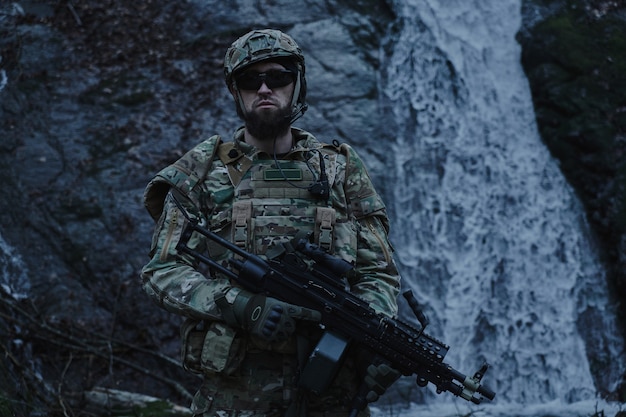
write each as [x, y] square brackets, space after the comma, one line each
[379, 279]
[171, 279]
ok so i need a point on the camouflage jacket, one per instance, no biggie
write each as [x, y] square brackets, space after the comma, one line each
[238, 188]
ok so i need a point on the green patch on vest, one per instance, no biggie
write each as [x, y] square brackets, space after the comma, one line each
[285, 174]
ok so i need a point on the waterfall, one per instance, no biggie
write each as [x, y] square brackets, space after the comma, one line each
[3, 77]
[14, 279]
[488, 233]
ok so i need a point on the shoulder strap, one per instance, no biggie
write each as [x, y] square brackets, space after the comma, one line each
[182, 175]
[232, 159]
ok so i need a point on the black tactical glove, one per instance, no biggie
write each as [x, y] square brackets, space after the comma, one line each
[266, 317]
[377, 379]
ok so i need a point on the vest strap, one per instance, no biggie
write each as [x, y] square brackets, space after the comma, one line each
[324, 226]
[235, 161]
[242, 215]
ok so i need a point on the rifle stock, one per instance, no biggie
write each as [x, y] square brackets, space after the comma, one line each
[320, 283]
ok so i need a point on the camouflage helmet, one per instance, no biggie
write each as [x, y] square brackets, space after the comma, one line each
[266, 45]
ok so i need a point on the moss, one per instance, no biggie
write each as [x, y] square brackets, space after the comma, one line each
[576, 74]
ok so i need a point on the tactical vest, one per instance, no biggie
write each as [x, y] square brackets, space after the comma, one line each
[259, 203]
[271, 202]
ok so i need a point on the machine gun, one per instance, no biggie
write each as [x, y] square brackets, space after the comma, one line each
[305, 275]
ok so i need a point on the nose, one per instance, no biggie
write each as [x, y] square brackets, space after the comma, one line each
[264, 88]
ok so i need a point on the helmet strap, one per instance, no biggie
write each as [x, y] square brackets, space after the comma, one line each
[241, 109]
[298, 108]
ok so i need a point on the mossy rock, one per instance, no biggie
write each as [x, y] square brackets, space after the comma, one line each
[575, 62]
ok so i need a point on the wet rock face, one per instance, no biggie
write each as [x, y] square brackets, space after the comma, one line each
[95, 98]
[574, 56]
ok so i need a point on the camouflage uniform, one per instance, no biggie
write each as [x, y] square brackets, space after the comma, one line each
[240, 193]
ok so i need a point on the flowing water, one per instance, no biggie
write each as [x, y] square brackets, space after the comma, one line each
[488, 233]
[14, 280]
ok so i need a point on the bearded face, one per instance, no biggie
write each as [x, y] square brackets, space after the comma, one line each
[266, 124]
[266, 90]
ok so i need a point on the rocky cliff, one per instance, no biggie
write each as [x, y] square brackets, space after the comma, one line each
[97, 96]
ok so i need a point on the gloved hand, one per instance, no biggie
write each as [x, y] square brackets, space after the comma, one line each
[378, 378]
[266, 317]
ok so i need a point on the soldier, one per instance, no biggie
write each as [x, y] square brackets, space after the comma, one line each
[271, 182]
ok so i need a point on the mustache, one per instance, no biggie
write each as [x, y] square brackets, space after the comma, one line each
[263, 100]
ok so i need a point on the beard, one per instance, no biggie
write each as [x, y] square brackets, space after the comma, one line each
[267, 126]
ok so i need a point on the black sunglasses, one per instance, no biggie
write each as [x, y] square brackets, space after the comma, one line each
[251, 80]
